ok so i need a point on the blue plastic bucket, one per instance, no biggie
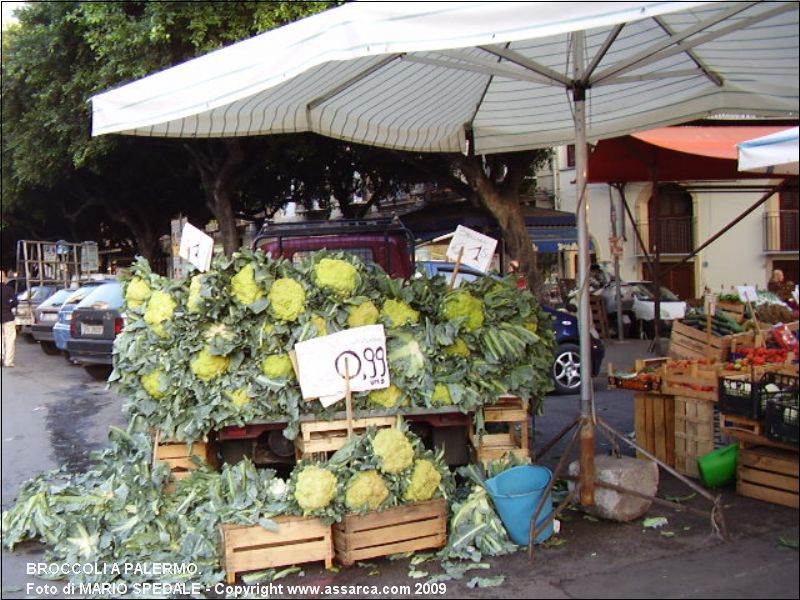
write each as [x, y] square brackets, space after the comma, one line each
[516, 494]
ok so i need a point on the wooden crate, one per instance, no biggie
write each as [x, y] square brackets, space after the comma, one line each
[768, 474]
[694, 433]
[732, 425]
[513, 411]
[735, 310]
[655, 426]
[178, 455]
[688, 342]
[253, 548]
[693, 381]
[409, 528]
[317, 438]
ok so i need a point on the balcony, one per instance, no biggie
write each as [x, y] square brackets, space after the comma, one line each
[781, 231]
[673, 236]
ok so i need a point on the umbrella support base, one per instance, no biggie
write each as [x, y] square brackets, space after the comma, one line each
[716, 514]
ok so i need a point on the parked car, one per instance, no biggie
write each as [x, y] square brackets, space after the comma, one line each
[45, 316]
[61, 332]
[96, 322]
[27, 302]
[638, 305]
[566, 367]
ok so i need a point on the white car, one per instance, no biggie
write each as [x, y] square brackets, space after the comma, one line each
[638, 303]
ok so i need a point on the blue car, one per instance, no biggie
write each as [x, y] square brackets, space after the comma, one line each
[566, 367]
[61, 329]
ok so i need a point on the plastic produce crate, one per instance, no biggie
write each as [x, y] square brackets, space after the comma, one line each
[738, 396]
[782, 420]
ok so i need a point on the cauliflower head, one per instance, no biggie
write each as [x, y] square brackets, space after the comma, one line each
[137, 292]
[425, 480]
[160, 307]
[337, 275]
[193, 302]
[278, 366]
[287, 299]
[315, 488]
[464, 304]
[399, 313]
[277, 488]
[441, 395]
[207, 366]
[365, 313]
[153, 383]
[394, 450]
[387, 397]
[321, 325]
[244, 287]
[458, 348]
[366, 489]
[532, 326]
[240, 397]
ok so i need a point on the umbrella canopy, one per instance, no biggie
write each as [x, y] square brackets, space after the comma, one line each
[439, 76]
[482, 77]
[774, 154]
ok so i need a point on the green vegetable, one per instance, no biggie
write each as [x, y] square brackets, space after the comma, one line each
[160, 307]
[208, 366]
[315, 488]
[366, 490]
[278, 366]
[399, 313]
[463, 305]
[364, 314]
[153, 382]
[137, 292]
[337, 275]
[288, 299]
[394, 450]
[244, 287]
[387, 397]
[425, 480]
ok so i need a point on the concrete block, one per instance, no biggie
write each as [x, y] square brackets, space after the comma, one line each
[631, 473]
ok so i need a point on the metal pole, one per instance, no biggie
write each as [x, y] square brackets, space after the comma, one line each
[584, 314]
[615, 232]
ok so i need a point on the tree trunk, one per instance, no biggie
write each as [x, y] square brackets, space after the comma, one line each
[502, 201]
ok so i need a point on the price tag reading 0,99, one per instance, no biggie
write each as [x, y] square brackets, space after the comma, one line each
[325, 363]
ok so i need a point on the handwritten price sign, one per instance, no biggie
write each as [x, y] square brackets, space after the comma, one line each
[478, 248]
[196, 247]
[323, 363]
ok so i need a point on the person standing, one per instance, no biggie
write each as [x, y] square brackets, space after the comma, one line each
[7, 302]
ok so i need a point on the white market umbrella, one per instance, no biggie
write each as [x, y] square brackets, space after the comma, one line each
[481, 77]
[776, 153]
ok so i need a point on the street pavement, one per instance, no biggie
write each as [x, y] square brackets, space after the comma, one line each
[54, 413]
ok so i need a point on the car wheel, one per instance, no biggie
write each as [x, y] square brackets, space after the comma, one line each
[100, 372]
[49, 348]
[566, 369]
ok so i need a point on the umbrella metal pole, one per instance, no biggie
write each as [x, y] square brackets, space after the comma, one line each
[584, 315]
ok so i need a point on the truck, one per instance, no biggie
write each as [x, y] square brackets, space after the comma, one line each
[43, 267]
[389, 244]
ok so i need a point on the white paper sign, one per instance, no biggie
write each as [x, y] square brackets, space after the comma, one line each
[90, 259]
[747, 292]
[321, 363]
[49, 252]
[196, 247]
[478, 248]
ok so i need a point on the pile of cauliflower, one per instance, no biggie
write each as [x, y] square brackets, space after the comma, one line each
[377, 470]
[212, 349]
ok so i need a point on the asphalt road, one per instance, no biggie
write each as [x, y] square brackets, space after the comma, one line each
[54, 413]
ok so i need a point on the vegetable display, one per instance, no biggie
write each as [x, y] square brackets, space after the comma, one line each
[211, 350]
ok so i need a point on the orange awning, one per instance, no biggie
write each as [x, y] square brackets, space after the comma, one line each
[714, 142]
[685, 153]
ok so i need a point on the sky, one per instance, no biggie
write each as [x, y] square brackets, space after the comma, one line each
[7, 10]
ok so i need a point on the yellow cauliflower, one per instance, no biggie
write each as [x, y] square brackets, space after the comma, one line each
[399, 313]
[441, 395]
[425, 480]
[153, 383]
[532, 326]
[160, 308]
[364, 314]
[394, 450]
[244, 287]
[464, 304]
[315, 488]
[320, 324]
[458, 348]
[367, 489]
[137, 292]
[388, 397]
[338, 275]
[239, 397]
[193, 302]
[287, 298]
[278, 366]
[206, 366]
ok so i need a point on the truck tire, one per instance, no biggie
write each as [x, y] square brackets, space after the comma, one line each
[234, 451]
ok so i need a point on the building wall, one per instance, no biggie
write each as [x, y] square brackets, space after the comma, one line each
[736, 258]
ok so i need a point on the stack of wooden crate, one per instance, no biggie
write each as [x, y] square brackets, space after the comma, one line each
[509, 413]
